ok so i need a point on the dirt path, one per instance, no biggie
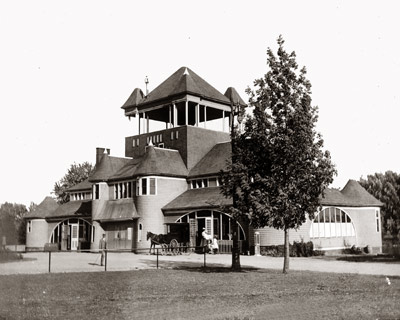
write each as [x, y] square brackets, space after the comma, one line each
[88, 262]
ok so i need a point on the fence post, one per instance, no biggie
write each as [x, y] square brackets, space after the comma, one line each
[157, 258]
[49, 261]
[105, 262]
[204, 250]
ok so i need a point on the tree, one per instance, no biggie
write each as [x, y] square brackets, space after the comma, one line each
[12, 224]
[279, 170]
[76, 174]
[386, 188]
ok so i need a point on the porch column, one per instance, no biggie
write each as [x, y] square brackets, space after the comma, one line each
[197, 114]
[139, 123]
[144, 122]
[175, 115]
[147, 124]
[205, 117]
[220, 225]
[223, 120]
[169, 119]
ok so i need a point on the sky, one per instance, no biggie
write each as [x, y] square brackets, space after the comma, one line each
[66, 68]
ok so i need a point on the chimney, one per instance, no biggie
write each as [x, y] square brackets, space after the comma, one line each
[100, 152]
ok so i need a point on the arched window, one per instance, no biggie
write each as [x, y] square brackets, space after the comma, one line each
[332, 222]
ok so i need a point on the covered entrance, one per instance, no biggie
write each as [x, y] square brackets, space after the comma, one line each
[72, 234]
[217, 224]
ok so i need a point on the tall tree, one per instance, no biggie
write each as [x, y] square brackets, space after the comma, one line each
[12, 224]
[386, 188]
[76, 174]
[280, 170]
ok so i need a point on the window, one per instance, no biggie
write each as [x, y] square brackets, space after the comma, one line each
[96, 190]
[172, 135]
[212, 182]
[377, 220]
[123, 190]
[152, 186]
[140, 232]
[176, 135]
[147, 186]
[332, 222]
[29, 226]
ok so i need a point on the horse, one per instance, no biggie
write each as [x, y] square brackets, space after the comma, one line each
[155, 239]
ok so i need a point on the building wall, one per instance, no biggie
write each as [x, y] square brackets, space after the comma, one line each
[364, 223]
[39, 235]
[193, 143]
[149, 207]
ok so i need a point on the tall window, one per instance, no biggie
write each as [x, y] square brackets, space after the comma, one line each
[123, 190]
[29, 226]
[147, 186]
[332, 222]
[96, 191]
[377, 220]
[140, 232]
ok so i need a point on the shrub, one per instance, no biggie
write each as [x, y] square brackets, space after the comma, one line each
[297, 249]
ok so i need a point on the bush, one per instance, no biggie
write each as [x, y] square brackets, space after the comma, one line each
[353, 250]
[297, 249]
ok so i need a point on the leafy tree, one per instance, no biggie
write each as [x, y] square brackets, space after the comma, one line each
[386, 188]
[12, 224]
[76, 174]
[279, 170]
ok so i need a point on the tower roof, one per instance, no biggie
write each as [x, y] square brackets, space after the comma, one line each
[44, 209]
[183, 81]
[233, 96]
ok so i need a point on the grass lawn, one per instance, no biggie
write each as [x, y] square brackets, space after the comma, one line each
[192, 293]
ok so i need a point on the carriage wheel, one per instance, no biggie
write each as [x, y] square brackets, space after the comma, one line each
[164, 249]
[174, 246]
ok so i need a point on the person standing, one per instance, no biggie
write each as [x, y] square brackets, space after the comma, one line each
[103, 247]
[215, 245]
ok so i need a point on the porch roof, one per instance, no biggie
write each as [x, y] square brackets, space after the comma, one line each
[117, 210]
[75, 209]
[195, 199]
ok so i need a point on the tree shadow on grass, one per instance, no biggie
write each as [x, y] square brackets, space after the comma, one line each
[195, 266]
[370, 258]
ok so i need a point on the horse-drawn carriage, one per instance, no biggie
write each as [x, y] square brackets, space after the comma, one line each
[173, 242]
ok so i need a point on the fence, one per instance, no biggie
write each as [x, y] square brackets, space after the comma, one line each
[156, 253]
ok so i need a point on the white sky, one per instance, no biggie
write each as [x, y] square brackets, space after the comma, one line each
[66, 68]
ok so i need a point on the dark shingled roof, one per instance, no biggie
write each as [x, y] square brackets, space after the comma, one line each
[82, 208]
[183, 81]
[127, 171]
[44, 209]
[164, 162]
[213, 162]
[134, 99]
[84, 185]
[234, 96]
[192, 199]
[117, 210]
[108, 167]
[352, 195]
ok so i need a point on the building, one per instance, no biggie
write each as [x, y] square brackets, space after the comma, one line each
[169, 176]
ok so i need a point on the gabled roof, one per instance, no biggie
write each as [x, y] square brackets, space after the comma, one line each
[107, 167]
[164, 162]
[117, 210]
[183, 81]
[234, 97]
[193, 199]
[44, 209]
[213, 162]
[82, 186]
[82, 208]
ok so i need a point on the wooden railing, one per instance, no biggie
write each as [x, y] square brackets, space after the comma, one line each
[225, 246]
